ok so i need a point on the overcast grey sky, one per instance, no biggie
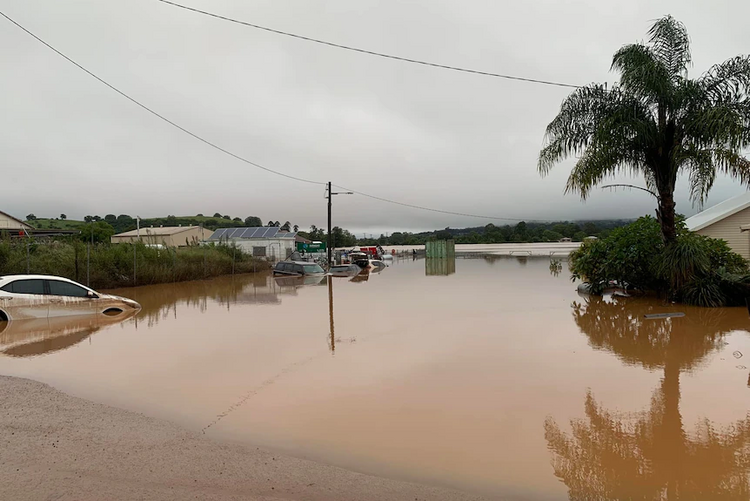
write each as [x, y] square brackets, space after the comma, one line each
[421, 135]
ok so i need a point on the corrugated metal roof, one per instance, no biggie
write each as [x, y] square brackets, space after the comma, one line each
[163, 230]
[255, 232]
[718, 212]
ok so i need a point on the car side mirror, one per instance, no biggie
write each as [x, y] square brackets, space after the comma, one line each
[90, 295]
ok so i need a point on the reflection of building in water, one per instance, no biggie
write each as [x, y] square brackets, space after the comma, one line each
[162, 301]
[649, 455]
[439, 266]
[28, 338]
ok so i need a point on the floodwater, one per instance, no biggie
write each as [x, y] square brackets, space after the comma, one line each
[488, 375]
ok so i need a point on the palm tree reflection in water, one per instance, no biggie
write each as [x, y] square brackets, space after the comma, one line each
[649, 455]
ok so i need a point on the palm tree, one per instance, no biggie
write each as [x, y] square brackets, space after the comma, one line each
[657, 123]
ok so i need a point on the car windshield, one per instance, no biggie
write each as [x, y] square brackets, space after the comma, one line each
[313, 268]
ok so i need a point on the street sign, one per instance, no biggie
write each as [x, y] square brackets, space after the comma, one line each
[311, 247]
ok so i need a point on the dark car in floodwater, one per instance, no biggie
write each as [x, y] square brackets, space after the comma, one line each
[297, 268]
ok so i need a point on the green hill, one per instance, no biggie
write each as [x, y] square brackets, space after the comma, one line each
[56, 224]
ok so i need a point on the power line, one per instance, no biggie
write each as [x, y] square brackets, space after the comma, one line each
[404, 204]
[370, 52]
[238, 157]
[156, 114]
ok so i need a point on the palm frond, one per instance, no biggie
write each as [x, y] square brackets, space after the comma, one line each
[671, 45]
[730, 162]
[607, 122]
[642, 73]
[598, 163]
[724, 123]
[728, 81]
[702, 173]
[572, 129]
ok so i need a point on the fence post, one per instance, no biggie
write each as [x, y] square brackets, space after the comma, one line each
[135, 265]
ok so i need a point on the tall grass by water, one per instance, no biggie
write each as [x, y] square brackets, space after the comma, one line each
[123, 265]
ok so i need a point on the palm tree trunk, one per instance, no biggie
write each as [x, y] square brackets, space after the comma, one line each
[665, 214]
[671, 447]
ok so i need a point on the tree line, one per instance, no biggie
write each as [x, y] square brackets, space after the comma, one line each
[492, 234]
[104, 228]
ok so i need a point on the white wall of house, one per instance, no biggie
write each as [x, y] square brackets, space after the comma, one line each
[10, 223]
[729, 229]
[276, 248]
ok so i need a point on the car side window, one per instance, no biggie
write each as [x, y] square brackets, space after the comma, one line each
[25, 287]
[298, 269]
[286, 267]
[57, 288]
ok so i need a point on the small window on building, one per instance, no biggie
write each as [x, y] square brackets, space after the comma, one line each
[259, 251]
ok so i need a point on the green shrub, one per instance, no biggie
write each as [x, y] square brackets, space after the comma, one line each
[112, 265]
[625, 256]
[695, 269]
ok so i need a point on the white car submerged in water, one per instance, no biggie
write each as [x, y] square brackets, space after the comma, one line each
[24, 297]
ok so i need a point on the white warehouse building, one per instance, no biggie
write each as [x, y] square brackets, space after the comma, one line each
[269, 242]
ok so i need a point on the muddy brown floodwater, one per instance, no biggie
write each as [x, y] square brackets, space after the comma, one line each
[488, 375]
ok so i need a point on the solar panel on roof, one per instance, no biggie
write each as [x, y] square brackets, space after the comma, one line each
[255, 232]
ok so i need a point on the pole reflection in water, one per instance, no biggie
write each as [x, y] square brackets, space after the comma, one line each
[332, 342]
[649, 455]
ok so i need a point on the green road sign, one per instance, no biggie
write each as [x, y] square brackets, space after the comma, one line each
[313, 247]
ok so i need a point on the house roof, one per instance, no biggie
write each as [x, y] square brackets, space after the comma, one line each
[255, 232]
[718, 212]
[21, 223]
[161, 231]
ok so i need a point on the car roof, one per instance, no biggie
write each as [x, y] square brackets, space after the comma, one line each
[308, 263]
[11, 278]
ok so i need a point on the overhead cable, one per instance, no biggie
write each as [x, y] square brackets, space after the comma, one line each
[370, 52]
[156, 114]
[238, 157]
[441, 211]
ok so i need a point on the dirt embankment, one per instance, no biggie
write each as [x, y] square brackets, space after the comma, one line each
[54, 446]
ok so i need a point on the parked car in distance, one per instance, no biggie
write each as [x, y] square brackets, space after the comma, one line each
[24, 297]
[344, 270]
[297, 268]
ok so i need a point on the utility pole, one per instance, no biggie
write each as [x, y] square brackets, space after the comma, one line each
[330, 194]
[328, 243]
